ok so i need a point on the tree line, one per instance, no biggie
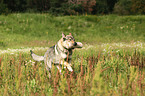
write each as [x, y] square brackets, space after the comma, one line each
[74, 7]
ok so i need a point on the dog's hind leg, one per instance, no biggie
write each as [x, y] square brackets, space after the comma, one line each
[48, 70]
[48, 67]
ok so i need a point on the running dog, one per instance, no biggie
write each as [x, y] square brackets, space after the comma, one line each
[59, 54]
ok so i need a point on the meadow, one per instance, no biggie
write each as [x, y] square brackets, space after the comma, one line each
[111, 63]
[43, 30]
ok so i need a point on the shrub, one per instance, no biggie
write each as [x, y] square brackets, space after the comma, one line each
[38, 5]
[122, 7]
[100, 7]
[138, 6]
[3, 9]
[82, 6]
[57, 7]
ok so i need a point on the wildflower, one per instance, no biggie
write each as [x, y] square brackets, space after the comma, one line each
[69, 27]
[117, 51]
[11, 53]
[104, 50]
[121, 28]
[47, 33]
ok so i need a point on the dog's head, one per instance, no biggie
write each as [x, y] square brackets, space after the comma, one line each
[68, 41]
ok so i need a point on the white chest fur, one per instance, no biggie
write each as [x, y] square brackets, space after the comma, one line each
[63, 55]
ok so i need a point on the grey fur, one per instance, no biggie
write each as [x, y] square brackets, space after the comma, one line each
[59, 54]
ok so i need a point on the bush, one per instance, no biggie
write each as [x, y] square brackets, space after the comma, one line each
[79, 6]
[100, 7]
[74, 9]
[3, 9]
[122, 7]
[16, 5]
[38, 5]
[57, 7]
[138, 6]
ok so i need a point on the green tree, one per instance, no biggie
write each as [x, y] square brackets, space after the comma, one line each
[104, 6]
[82, 6]
[16, 5]
[58, 7]
[3, 8]
[138, 6]
[38, 5]
[123, 7]
[110, 5]
[100, 7]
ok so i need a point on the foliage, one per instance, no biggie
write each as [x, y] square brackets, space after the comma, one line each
[138, 7]
[110, 5]
[3, 8]
[122, 7]
[86, 5]
[38, 5]
[16, 5]
[58, 7]
[125, 7]
[75, 7]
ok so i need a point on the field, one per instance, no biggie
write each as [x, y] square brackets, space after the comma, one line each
[111, 63]
[28, 30]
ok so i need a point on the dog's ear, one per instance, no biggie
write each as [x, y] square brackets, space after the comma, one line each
[63, 35]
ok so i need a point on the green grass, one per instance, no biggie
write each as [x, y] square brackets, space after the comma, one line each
[23, 30]
[96, 72]
[111, 63]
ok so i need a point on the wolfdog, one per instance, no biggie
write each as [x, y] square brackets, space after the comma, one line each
[59, 54]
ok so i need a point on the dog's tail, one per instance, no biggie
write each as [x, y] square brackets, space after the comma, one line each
[36, 57]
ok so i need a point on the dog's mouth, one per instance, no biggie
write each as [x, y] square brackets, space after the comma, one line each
[73, 45]
[79, 45]
[69, 48]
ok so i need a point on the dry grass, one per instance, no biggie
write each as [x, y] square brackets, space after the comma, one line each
[102, 74]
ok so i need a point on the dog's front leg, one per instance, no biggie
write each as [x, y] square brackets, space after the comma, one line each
[67, 65]
[59, 68]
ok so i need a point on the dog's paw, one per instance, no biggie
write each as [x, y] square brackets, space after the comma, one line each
[69, 68]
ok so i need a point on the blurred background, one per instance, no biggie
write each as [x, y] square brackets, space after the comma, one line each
[74, 7]
[28, 23]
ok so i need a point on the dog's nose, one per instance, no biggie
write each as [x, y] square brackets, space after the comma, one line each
[75, 44]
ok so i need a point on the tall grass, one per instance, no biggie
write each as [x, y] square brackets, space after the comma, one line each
[115, 67]
[101, 73]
